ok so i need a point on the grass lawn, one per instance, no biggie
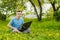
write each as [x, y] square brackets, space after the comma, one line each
[44, 30]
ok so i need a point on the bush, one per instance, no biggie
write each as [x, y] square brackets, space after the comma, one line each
[2, 17]
[57, 15]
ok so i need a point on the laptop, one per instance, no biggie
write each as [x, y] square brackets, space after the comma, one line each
[25, 26]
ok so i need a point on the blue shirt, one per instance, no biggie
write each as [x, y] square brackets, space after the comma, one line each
[17, 23]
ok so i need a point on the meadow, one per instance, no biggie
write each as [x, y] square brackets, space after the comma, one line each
[44, 30]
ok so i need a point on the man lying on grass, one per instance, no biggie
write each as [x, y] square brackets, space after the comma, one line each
[16, 22]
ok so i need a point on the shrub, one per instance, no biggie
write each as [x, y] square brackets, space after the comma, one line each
[57, 15]
[2, 17]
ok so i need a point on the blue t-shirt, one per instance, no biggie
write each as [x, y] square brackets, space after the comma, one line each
[17, 23]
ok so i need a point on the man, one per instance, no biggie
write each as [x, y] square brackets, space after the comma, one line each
[16, 22]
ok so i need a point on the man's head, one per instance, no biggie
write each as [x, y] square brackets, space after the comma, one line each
[19, 14]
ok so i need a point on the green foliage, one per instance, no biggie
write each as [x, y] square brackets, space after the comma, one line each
[57, 15]
[49, 13]
[2, 17]
[11, 5]
[36, 2]
[20, 5]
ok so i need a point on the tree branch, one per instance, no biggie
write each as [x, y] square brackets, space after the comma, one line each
[53, 5]
[58, 7]
[34, 8]
[50, 1]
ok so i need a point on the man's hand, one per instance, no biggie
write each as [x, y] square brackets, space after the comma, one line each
[15, 29]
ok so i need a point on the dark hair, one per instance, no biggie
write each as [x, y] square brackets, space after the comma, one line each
[19, 11]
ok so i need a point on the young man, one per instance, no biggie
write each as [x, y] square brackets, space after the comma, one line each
[16, 22]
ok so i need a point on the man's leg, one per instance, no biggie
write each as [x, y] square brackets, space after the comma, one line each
[16, 31]
[27, 31]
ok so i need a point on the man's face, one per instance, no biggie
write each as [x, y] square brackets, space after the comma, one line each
[19, 14]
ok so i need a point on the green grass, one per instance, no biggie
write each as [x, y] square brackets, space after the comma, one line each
[44, 30]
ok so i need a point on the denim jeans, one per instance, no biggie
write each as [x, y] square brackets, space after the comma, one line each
[26, 31]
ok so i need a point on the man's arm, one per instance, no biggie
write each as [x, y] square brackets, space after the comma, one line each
[15, 29]
[9, 25]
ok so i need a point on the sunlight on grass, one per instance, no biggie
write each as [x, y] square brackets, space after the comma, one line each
[45, 30]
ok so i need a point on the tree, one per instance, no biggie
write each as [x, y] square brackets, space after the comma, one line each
[56, 8]
[11, 5]
[53, 3]
[40, 15]
[40, 6]
[35, 9]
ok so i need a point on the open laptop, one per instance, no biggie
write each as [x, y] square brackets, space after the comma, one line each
[25, 26]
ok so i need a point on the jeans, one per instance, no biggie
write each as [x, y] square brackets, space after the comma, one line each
[26, 31]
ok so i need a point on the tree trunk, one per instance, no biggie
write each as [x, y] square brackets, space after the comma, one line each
[53, 5]
[35, 9]
[40, 15]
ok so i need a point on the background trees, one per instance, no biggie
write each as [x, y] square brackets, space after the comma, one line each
[39, 16]
[9, 7]
[56, 8]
